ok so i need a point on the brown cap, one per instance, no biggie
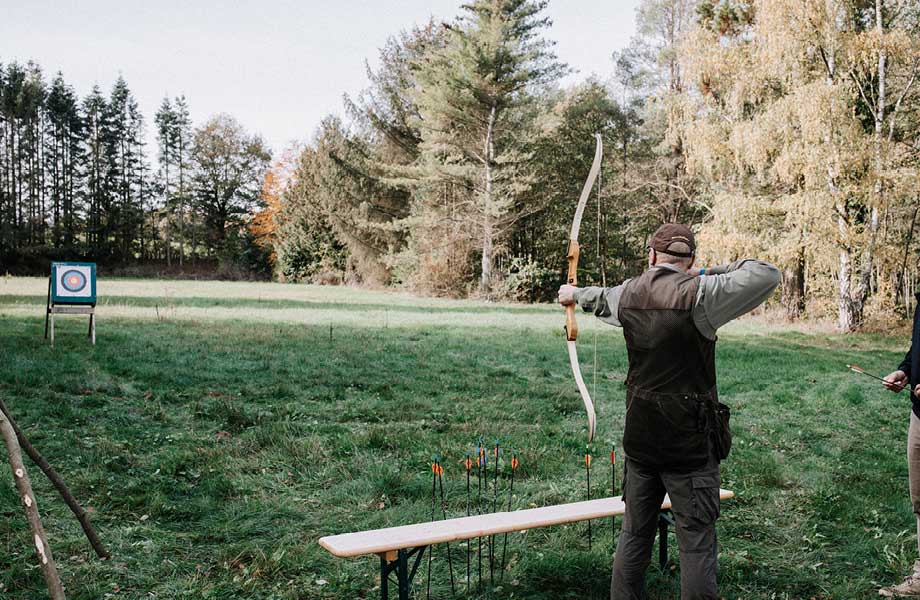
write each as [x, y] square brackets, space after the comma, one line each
[673, 233]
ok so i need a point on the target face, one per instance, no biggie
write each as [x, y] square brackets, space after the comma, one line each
[73, 280]
[73, 283]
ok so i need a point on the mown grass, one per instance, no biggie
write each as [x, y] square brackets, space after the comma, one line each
[217, 431]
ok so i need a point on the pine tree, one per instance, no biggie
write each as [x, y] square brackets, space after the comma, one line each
[22, 109]
[63, 130]
[7, 209]
[97, 189]
[182, 156]
[165, 122]
[473, 98]
[140, 187]
[31, 104]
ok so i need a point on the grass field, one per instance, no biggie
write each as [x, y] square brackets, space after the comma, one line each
[218, 429]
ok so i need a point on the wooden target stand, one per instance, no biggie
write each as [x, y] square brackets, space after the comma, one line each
[71, 291]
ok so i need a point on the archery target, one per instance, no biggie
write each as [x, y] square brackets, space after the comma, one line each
[74, 282]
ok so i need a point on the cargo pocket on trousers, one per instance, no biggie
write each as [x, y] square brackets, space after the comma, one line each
[705, 498]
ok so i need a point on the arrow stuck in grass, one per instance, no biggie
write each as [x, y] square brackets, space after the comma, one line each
[514, 466]
[588, 481]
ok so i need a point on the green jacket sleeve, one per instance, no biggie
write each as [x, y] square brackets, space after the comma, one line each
[729, 291]
[603, 302]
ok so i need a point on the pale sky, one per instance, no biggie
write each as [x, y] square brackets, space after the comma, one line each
[279, 67]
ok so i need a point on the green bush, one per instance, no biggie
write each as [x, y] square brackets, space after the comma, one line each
[528, 281]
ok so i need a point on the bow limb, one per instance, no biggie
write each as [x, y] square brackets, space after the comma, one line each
[583, 390]
[571, 327]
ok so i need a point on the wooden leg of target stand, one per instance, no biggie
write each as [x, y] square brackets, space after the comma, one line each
[47, 308]
[92, 327]
[52, 329]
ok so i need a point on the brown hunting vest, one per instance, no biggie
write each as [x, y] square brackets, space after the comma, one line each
[671, 400]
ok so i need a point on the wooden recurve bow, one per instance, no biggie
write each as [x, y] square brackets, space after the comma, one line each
[571, 327]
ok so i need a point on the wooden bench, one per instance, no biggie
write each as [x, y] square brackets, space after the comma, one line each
[397, 545]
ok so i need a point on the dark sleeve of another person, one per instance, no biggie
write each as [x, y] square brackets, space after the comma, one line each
[909, 358]
[905, 364]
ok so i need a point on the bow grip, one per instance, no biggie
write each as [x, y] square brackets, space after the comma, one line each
[571, 327]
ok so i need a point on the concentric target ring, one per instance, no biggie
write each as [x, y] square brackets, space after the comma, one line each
[73, 281]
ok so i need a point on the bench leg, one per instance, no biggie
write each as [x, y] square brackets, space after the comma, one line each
[404, 575]
[384, 579]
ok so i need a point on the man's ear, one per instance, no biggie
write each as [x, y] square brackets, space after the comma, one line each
[692, 262]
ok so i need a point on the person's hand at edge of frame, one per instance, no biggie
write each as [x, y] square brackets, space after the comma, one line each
[896, 381]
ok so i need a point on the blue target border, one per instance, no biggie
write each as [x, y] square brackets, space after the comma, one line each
[57, 287]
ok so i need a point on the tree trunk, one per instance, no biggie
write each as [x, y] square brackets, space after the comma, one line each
[858, 300]
[844, 307]
[485, 282]
[794, 287]
[24, 486]
[181, 207]
[900, 287]
[168, 209]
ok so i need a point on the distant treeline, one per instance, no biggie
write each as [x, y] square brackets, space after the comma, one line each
[77, 181]
[787, 130]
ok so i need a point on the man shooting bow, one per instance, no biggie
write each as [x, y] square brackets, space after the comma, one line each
[676, 432]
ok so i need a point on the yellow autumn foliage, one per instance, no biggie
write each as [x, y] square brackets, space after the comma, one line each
[779, 123]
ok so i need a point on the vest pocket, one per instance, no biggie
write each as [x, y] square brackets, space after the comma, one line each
[723, 431]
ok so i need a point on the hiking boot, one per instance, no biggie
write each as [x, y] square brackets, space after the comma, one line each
[910, 587]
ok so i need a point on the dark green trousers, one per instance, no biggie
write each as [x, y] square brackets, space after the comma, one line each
[695, 504]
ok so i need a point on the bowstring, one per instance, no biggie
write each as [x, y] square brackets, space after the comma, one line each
[603, 275]
[595, 367]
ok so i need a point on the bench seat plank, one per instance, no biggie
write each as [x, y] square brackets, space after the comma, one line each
[390, 539]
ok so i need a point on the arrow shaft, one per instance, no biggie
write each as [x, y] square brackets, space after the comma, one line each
[876, 377]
